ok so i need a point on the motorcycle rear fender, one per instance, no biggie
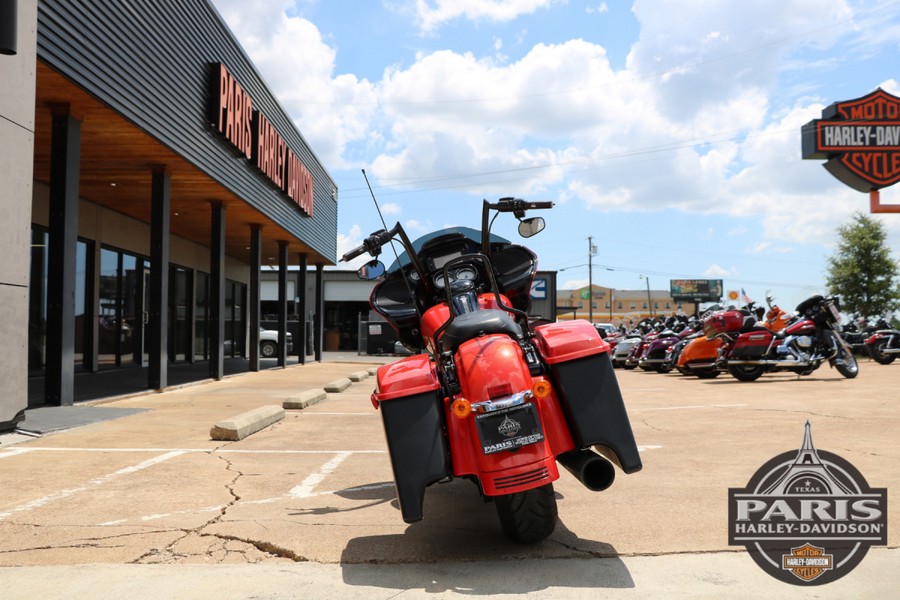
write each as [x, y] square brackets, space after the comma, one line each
[411, 403]
[875, 337]
[585, 382]
[490, 367]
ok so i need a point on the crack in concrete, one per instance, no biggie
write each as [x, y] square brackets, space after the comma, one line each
[168, 553]
[218, 552]
[264, 547]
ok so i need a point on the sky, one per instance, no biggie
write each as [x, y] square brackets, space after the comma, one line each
[665, 131]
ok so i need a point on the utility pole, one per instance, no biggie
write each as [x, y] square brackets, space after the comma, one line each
[592, 250]
[649, 302]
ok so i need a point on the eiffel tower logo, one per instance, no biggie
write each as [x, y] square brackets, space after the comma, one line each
[808, 475]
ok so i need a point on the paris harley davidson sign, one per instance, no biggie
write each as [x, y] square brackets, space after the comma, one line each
[254, 137]
[859, 139]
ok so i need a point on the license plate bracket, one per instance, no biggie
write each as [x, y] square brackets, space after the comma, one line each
[509, 428]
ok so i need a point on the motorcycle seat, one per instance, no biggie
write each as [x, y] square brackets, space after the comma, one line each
[479, 322]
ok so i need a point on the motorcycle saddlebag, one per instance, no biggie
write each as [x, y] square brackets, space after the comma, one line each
[585, 383]
[753, 345]
[411, 406]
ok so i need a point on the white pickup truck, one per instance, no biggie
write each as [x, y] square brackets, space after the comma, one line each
[268, 342]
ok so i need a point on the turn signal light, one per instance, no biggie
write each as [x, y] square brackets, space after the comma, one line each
[541, 389]
[461, 408]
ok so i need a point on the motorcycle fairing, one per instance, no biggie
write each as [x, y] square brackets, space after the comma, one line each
[588, 392]
[412, 410]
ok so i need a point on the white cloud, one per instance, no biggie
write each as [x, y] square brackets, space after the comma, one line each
[391, 208]
[688, 123]
[574, 284]
[431, 14]
[330, 110]
[601, 8]
[715, 270]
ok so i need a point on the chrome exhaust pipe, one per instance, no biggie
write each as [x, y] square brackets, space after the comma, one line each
[592, 470]
[771, 363]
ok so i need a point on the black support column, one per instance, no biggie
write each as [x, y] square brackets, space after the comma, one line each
[300, 344]
[217, 292]
[159, 281]
[255, 266]
[65, 158]
[282, 302]
[320, 310]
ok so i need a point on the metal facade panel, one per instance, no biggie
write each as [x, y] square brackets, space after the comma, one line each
[151, 61]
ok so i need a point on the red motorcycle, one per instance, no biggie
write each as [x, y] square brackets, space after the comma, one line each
[492, 396]
[749, 349]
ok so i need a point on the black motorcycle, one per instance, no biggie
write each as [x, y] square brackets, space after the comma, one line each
[884, 346]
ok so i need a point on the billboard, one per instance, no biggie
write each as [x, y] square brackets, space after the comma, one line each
[695, 290]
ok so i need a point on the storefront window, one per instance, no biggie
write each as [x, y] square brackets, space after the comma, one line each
[37, 301]
[201, 316]
[122, 312]
[180, 312]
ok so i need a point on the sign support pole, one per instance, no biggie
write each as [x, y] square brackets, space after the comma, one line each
[876, 207]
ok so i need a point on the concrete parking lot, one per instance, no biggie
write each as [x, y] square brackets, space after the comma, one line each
[309, 502]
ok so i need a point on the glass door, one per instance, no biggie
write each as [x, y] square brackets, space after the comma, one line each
[122, 311]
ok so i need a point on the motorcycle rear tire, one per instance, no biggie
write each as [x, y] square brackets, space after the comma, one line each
[530, 516]
[876, 351]
[746, 372]
[710, 373]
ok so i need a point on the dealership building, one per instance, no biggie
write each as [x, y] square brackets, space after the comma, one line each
[149, 176]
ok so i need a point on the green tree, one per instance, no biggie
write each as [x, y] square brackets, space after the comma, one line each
[861, 271]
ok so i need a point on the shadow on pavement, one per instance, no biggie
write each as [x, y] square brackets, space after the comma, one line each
[459, 528]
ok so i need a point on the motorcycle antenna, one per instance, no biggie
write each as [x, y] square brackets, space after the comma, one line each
[380, 216]
[394, 248]
[378, 208]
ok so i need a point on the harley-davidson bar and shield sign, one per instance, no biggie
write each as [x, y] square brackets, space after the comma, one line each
[859, 139]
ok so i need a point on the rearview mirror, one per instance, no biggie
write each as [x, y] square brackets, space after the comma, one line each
[371, 270]
[531, 226]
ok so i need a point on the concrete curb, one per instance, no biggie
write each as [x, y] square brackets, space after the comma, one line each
[244, 424]
[338, 385]
[304, 399]
[358, 376]
[373, 371]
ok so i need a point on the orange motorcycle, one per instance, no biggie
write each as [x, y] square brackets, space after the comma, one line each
[699, 356]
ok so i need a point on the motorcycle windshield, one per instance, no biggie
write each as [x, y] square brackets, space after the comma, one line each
[467, 232]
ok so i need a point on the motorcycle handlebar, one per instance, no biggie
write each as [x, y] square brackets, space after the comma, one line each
[371, 244]
[518, 205]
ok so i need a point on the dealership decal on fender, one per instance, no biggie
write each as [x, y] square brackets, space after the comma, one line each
[251, 133]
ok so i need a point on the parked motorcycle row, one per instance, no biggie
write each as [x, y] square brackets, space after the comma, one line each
[751, 341]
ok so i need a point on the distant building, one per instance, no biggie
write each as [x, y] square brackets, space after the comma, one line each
[610, 305]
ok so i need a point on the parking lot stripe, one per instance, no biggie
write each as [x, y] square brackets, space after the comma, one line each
[687, 407]
[305, 489]
[39, 502]
[14, 452]
[204, 450]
